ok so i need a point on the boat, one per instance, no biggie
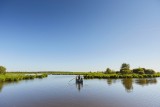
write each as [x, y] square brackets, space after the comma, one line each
[79, 79]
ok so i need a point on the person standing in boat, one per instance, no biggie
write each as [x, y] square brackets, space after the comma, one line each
[79, 77]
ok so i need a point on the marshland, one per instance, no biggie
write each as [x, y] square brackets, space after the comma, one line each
[55, 88]
[79, 53]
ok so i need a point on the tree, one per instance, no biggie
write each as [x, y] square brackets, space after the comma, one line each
[108, 71]
[125, 69]
[149, 71]
[2, 70]
[139, 70]
[125, 66]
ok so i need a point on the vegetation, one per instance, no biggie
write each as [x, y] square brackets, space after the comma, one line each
[125, 72]
[2, 70]
[108, 71]
[125, 69]
[17, 77]
[105, 76]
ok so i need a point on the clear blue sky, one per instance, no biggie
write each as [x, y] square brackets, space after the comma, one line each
[79, 35]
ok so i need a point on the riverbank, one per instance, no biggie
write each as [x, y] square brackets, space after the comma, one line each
[92, 75]
[105, 76]
[20, 76]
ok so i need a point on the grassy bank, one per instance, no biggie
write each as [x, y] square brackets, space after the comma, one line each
[53, 73]
[105, 76]
[87, 75]
[20, 76]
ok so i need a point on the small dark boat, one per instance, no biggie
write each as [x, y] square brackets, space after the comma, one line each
[79, 79]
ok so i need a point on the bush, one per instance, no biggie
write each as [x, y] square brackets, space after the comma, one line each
[149, 71]
[138, 71]
[108, 71]
[2, 70]
[125, 69]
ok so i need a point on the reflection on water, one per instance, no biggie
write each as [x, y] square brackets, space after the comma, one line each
[146, 81]
[62, 91]
[79, 86]
[127, 83]
[111, 81]
[3, 84]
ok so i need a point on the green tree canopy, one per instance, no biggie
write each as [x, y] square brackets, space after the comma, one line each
[149, 71]
[2, 70]
[125, 66]
[125, 69]
[139, 70]
[108, 71]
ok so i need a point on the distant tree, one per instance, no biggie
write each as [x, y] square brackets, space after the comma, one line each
[125, 69]
[149, 71]
[108, 71]
[125, 66]
[2, 70]
[139, 70]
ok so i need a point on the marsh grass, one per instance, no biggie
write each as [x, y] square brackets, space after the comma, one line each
[16, 77]
[105, 76]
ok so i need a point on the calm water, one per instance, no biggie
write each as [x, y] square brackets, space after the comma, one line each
[61, 91]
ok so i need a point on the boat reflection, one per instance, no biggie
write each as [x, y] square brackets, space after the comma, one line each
[79, 86]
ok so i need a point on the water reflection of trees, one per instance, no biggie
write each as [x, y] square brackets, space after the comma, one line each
[111, 81]
[3, 84]
[127, 83]
[146, 81]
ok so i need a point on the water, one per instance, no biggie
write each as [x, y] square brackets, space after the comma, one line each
[61, 91]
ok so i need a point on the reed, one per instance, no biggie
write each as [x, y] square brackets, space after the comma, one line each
[18, 76]
[105, 76]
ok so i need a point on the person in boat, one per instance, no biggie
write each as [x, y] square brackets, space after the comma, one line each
[79, 77]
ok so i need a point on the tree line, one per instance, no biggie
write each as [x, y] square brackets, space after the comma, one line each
[125, 69]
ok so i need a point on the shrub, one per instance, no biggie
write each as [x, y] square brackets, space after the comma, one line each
[149, 71]
[125, 69]
[2, 70]
[108, 71]
[138, 71]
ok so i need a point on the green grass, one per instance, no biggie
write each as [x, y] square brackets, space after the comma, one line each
[105, 76]
[14, 76]
[53, 73]
[19, 76]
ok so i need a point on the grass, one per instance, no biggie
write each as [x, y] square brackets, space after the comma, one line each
[14, 76]
[19, 76]
[54, 73]
[105, 76]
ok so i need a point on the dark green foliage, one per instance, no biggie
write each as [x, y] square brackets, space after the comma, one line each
[149, 71]
[125, 66]
[2, 70]
[125, 69]
[138, 71]
[108, 71]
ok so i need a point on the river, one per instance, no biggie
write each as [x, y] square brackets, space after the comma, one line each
[62, 91]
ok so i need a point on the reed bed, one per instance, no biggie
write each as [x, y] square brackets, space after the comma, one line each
[105, 76]
[16, 77]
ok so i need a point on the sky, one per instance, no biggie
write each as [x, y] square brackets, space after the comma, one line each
[79, 35]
